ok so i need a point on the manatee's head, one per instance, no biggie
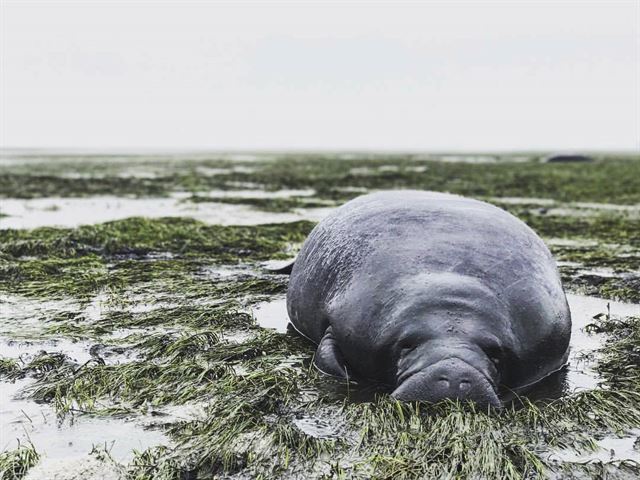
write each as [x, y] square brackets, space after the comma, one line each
[448, 337]
[456, 369]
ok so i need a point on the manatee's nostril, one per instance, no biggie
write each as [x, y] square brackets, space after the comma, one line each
[443, 382]
[464, 385]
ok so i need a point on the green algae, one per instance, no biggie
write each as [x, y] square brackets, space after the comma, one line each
[9, 367]
[227, 315]
[15, 464]
[617, 228]
[139, 255]
[620, 359]
[564, 182]
[257, 387]
[624, 289]
[610, 179]
[140, 236]
[53, 277]
[41, 186]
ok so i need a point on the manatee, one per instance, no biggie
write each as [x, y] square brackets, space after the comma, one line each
[430, 296]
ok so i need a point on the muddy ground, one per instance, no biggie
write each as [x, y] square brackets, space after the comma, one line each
[142, 337]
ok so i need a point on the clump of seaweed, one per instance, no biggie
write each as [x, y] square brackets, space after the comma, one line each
[620, 359]
[157, 464]
[58, 263]
[9, 367]
[136, 237]
[14, 464]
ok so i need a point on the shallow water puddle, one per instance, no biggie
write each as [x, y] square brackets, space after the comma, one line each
[272, 314]
[551, 207]
[73, 212]
[225, 273]
[23, 316]
[23, 324]
[570, 242]
[606, 272]
[90, 467]
[542, 202]
[26, 421]
[27, 349]
[317, 427]
[609, 448]
[581, 375]
[285, 193]
[80, 351]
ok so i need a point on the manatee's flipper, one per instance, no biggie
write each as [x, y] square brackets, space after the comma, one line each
[286, 270]
[328, 358]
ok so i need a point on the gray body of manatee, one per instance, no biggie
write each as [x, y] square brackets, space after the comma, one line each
[431, 296]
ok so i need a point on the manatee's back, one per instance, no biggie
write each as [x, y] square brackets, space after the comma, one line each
[379, 237]
[330, 256]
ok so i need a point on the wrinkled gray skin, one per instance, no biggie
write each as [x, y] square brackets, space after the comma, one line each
[432, 295]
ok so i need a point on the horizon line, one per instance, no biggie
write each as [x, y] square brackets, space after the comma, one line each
[318, 150]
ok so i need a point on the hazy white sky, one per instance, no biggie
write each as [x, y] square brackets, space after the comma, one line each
[429, 75]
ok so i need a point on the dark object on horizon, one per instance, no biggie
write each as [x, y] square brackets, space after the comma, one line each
[567, 158]
[430, 296]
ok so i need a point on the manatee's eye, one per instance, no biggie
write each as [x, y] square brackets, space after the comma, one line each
[406, 349]
[407, 346]
[494, 352]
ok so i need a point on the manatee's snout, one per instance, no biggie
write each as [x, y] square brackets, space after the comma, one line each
[449, 378]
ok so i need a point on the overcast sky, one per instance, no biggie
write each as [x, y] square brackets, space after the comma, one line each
[447, 75]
